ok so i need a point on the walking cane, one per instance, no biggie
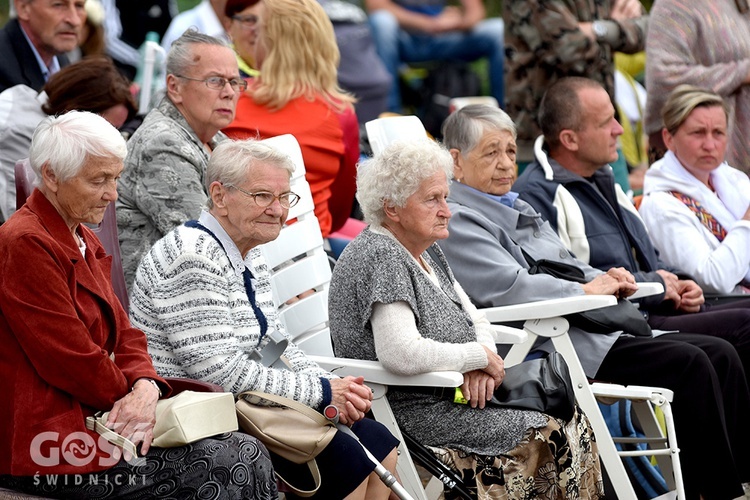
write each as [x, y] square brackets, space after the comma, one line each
[332, 414]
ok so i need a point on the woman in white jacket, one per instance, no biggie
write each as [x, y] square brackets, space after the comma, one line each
[695, 206]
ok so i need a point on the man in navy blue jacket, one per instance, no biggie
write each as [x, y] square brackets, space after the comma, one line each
[33, 46]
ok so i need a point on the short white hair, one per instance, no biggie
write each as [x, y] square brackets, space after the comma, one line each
[396, 173]
[67, 141]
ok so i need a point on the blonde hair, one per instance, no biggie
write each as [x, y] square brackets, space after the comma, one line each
[302, 57]
[683, 100]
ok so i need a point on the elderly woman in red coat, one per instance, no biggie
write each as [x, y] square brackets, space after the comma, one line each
[69, 349]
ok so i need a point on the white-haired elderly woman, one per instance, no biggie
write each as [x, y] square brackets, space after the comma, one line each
[203, 297]
[390, 301]
[70, 351]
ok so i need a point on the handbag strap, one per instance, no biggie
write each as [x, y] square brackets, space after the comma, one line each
[290, 403]
[314, 472]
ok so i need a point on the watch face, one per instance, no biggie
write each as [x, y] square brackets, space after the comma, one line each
[600, 29]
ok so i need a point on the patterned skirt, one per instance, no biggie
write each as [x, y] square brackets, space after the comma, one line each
[559, 461]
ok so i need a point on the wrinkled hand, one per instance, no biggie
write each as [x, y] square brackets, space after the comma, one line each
[613, 282]
[691, 296]
[478, 387]
[626, 9]
[495, 367]
[628, 286]
[134, 416]
[352, 398]
[671, 287]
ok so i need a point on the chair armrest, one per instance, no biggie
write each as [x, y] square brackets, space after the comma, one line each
[188, 384]
[374, 372]
[507, 335]
[547, 308]
[646, 289]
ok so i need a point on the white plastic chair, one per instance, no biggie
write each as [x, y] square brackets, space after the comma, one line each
[548, 321]
[383, 131]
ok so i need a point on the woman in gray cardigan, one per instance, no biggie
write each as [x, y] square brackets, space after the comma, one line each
[392, 302]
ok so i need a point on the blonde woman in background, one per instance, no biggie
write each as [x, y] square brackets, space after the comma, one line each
[297, 93]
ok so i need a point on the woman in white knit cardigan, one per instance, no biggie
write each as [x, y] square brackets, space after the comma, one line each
[203, 297]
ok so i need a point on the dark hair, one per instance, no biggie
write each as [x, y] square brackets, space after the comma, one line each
[234, 6]
[91, 84]
[560, 108]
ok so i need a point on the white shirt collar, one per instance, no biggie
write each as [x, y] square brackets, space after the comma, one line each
[47, 71]
[235, 257]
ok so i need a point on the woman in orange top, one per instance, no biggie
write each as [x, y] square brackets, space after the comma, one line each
[297, 93]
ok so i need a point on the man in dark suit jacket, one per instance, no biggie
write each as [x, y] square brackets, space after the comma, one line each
[49, 31]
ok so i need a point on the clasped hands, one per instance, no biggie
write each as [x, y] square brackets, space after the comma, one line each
[351, 397]
[687, 295]
[480, 385]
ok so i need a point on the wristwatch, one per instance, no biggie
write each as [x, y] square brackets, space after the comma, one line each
[600, 29]
[148, 380]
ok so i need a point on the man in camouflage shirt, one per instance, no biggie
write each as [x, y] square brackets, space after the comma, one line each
[546, 40]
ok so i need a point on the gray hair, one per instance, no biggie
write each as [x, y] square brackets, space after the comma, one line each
[67, 141]
[231, 161]
[396, 173]
[464, 128]
[181, 57]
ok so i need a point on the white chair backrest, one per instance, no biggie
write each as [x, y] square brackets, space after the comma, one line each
[383, 131]
[457, 103]
[299, 263]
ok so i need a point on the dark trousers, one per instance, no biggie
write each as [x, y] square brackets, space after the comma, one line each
[730, 321]
[711, 404]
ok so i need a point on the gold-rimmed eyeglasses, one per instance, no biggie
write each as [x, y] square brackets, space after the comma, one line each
[248, 22]
[264, 199]
[218, 82]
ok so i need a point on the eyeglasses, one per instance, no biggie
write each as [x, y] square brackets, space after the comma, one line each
[247, 22]
[218, 82]
[264, 199]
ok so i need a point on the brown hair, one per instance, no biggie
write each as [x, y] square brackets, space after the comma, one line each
[91, 84]
[560, 108]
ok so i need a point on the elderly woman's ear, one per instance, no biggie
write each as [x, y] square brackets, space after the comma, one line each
[49, 178]
[217, 191]
[390, 211]
[458, 171]
[173, 91]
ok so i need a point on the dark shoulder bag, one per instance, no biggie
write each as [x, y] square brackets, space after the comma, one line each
[542, 384]
[623, 316]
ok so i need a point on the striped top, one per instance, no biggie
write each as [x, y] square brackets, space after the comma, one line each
[193, 307]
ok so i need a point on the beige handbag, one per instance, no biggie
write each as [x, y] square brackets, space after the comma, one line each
[188, 417]
[288, 428]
